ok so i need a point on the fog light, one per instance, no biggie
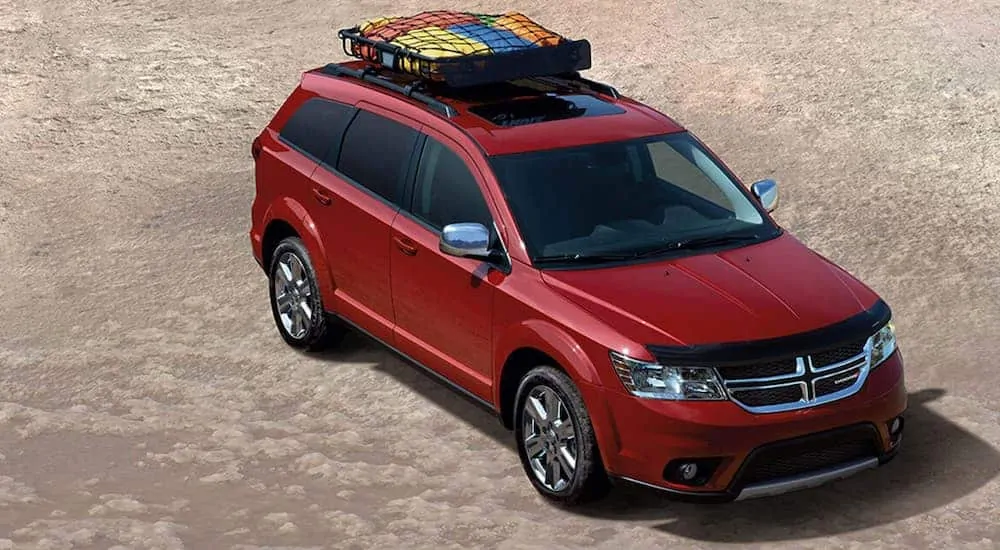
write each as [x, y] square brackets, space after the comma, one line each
[896, 425]
[688, 471]
[692, 472]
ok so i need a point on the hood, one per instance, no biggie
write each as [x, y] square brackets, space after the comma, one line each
[771, 289]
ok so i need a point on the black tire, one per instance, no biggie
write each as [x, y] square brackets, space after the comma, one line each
[322, 332]
[589, 481]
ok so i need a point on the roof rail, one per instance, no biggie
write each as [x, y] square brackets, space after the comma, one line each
[574, 80]
[368, 74]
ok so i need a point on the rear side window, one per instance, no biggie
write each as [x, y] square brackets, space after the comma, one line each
[376, 153]
[316, 125]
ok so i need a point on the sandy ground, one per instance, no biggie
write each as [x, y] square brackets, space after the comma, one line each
[146, 400]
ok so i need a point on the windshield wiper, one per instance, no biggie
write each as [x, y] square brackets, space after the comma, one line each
[696, 242]
[702, 242]
[688, 244]
[583, 258]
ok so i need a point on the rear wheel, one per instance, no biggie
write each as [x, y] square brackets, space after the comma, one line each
[555, 439]
[296, 304]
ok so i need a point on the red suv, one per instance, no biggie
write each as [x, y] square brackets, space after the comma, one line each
[585, 268]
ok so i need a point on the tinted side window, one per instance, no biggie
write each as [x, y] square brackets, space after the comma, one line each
[376, 153]
[316, 125]
[445, 190]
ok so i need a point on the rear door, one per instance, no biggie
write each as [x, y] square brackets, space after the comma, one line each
[359, 186]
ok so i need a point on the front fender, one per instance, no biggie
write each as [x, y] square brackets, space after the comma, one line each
[293, 213]
[572, 357]
[551, 340]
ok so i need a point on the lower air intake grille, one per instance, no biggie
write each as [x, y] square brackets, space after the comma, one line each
[810, 453]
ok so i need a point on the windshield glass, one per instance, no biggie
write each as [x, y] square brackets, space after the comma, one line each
[626, 198]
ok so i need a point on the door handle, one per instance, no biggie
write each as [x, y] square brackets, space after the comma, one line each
[322, 197]
[405, 246]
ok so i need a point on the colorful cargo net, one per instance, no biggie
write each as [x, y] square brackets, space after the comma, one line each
[462, 48]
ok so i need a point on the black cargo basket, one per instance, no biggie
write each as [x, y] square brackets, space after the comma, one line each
[479, 64]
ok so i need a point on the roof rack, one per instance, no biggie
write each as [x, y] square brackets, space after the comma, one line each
[413, 90]
[416, 89]
[574, 80]
[461, 49]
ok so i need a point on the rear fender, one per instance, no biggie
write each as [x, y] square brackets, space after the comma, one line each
[291, 212]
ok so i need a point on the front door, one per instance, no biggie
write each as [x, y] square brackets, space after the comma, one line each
[444, 304]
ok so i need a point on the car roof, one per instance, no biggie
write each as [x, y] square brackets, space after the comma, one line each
[517, 116]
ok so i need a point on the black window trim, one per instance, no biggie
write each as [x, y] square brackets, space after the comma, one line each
[298, 149]
[340, 142]
[411, 187]
[401, 185]
[506, 265]
[353, 111]
[333, 170]
[410, 183]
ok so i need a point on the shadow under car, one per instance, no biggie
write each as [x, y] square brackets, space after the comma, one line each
[938, 462]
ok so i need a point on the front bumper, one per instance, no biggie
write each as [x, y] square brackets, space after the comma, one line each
[754, 455]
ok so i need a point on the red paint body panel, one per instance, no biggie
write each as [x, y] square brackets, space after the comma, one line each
[357, 228]
[767, 290]
[464, 320]
[438, 297]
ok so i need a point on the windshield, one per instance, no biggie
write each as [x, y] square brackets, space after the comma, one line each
[626, 199]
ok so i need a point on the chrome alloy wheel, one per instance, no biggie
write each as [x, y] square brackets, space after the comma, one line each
[292, 294]
[549, 438]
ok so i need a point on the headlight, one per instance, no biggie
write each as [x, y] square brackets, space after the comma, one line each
[882, 344]
[655, 381]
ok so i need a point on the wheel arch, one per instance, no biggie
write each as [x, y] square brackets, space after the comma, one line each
[515, 367]
[538, 342]
[287, 218]
[276, 231]
[529, 345]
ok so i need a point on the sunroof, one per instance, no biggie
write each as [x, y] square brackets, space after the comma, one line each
[544, 108]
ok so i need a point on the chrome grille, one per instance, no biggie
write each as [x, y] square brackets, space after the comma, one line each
[761, 370]
[838, 354]
[761, 397]
[798, 382]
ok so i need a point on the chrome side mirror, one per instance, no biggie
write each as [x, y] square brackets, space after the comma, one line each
[766, 192]
[465, 240]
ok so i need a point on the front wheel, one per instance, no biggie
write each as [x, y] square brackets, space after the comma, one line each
[555, 439]
[295, 301]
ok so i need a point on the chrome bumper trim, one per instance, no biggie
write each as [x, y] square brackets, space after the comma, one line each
[807, 480]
